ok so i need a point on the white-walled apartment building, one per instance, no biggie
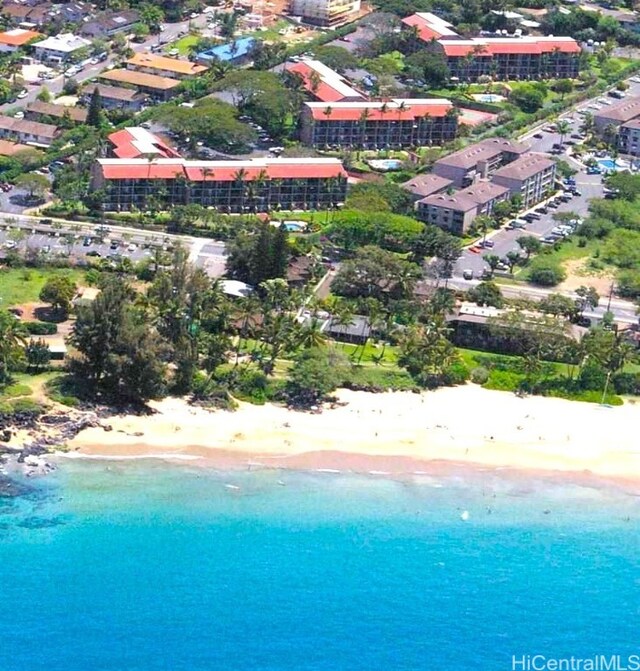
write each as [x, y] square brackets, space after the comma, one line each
[325, 12]
[59, 49]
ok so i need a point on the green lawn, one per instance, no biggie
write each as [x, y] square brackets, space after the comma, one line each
[183, 44]
[23, 285]
[505, 374]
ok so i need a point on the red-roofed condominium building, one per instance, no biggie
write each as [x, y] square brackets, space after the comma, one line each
[510, 58]
[258, 185]
[322, 82]
[427, 27]
[379, 125]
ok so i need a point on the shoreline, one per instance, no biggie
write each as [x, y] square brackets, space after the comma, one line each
[386, 434]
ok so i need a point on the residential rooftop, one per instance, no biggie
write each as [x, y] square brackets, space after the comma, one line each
[398, 109]
[145, 60]
[58, 111]
[429, 26]
[8, 148]
[18, 37]
[112, 92]
[491, 46]
[228, 52]
[525, 167]
[624, 110]
[482, 151]
[135, 142]
[28, 127]
[224, 171]
[467, 199]
[426, 184]
[65, 43]
[323, 82]
[634, 124]
[140, 79]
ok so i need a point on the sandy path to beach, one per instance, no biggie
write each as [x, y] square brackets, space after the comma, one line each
[372, 431]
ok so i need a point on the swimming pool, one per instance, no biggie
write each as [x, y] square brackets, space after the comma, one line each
[488, 97]
[607, 164]
[386, 164]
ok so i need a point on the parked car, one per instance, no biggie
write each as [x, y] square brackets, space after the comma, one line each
[594, 170]
[549, 239]
[87, 242]
[487, 244]
[23, 94]
[467, 274]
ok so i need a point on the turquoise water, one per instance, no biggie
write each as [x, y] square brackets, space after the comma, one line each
[142, 566]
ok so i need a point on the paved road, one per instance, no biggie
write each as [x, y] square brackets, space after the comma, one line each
[67, 239]
[625, 311]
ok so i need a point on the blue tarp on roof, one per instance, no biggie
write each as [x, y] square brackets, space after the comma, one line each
[228, 52]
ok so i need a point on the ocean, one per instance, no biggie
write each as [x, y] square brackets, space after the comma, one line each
[144, 566]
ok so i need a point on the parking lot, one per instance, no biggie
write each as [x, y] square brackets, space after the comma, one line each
[95, 242]
[505, 240]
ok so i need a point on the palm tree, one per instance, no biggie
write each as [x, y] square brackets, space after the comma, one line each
[563, 127]
[239, 177]
[328, 111]
[12, 342]
[314, 82]
[364, 117]
[312, 334]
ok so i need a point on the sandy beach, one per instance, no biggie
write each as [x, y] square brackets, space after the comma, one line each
[394, 432]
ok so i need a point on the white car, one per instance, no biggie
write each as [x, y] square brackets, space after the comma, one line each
[23, 94]
[132, 247]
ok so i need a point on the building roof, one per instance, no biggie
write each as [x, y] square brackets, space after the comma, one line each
[16, 11]
[140, 79]
[136, 141]
[110, 21]
[484, 192]
[359, 327]
[524, 167]
[228, 52]
[634, 124]
[491, 46]
[326, 84]
[145, 60]
[10, 148]
[28, 127]
[18, 37]
[470, 156]
[426, 184]
[66, 43]
[429, 26]
[59, 111]
[455, 201]
[624, 110]
[113, 92]
[398, 109]
[224, 171]
[467, 199]
[236, 288]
